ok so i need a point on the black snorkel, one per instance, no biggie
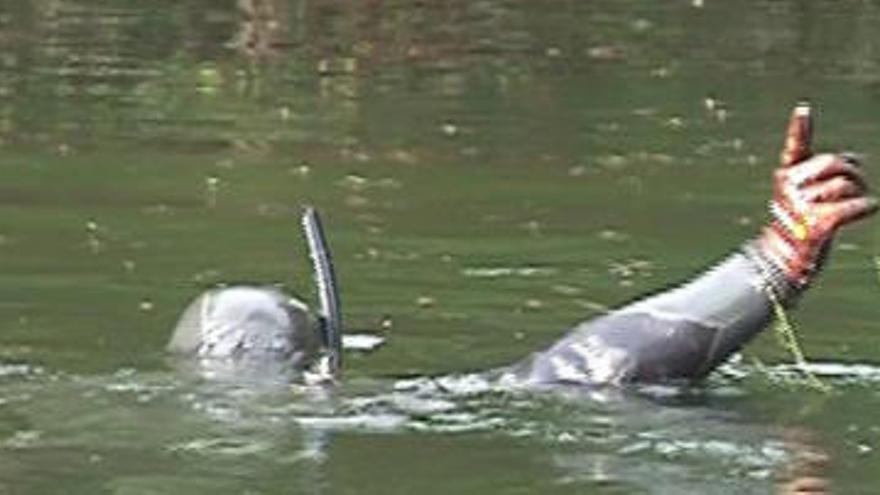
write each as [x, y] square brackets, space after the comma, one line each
[329, 319]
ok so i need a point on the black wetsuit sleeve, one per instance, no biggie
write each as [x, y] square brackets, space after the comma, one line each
[682, 333]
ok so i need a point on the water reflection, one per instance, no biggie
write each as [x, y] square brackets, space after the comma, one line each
[299, 71]
[806, 471]
[692, 439]
[261, 30]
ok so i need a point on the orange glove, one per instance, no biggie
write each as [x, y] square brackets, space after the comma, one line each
[813, 196]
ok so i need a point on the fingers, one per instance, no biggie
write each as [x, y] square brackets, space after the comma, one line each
[798, 136]
[833, 189]
[847, 211]
[823, 167]
[817, 196]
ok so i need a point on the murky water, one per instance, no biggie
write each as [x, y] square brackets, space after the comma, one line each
[490, 173]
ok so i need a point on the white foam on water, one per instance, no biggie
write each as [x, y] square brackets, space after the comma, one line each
[360, 422]
[507, 271]
[362, 341]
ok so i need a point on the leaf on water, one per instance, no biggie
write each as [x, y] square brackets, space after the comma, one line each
[877, 267]
[533, 304]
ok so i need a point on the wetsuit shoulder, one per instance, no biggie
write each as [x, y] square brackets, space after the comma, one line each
[623, 347]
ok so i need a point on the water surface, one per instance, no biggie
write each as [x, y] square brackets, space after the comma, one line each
[489, 172]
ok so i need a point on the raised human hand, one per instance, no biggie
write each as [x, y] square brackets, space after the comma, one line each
[813, 196]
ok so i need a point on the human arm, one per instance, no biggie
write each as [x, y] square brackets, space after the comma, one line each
[685, 332]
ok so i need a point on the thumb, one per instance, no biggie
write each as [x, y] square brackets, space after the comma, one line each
[798, 136]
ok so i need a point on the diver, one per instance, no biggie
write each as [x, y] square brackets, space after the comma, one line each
[262, 331]
[680, 334]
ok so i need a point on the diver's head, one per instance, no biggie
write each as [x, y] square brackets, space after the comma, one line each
[247, 324]
[262, 326]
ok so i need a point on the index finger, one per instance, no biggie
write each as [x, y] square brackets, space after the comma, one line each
[798, 136]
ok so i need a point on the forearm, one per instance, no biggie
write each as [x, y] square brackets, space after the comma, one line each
[681, 333]
[702, 322]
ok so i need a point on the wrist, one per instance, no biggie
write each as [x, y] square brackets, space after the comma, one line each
[782, 270]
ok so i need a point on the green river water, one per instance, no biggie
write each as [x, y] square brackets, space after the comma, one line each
[490, 172]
